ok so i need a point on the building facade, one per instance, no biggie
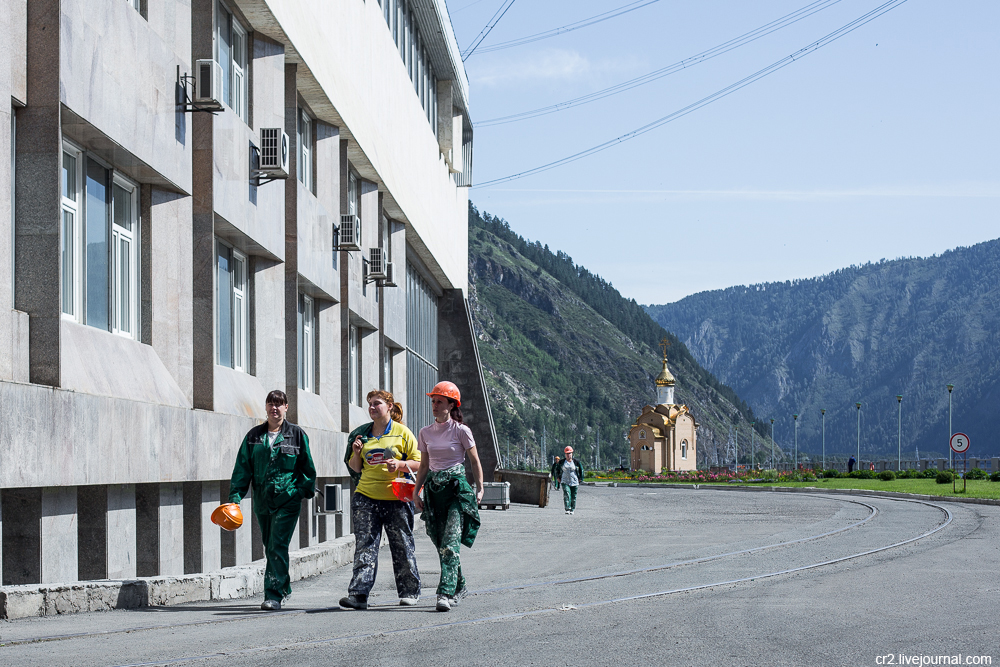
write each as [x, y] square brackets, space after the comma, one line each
[665, 435]
[207, 200]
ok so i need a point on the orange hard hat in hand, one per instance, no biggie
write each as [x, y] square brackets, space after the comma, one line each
[228, 516]
[448, 390]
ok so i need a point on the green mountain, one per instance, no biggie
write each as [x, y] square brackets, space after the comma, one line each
[863, 334]
[564, 354]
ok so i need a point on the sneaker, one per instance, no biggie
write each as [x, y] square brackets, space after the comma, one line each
[407, 602]
[571, 511]
[355, 602]
[443, 603]
[568, 512]
[271, 605]
[459, 595]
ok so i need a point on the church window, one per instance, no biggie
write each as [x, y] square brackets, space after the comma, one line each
[684, 449]
[642, 435]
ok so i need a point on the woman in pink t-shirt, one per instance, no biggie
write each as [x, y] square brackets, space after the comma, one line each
[450, 506]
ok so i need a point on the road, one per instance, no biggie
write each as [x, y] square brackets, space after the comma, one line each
[636, 576]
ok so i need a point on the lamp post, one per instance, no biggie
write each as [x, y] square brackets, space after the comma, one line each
[795, 420]
[899, 432]
[751, 443]
[858, 459]
[822, 413]
[950, 432]
[772, 444]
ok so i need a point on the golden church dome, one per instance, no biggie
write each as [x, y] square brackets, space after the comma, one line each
[664, 379]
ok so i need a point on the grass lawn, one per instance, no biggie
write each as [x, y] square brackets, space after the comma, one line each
[975, 488]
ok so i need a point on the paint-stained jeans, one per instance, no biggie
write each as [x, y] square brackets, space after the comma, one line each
[276, 531]
[569, 497]
[369, 517]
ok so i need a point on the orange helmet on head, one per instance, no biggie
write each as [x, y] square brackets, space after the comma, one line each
[228, 516]
[568, 450]
[448, 390]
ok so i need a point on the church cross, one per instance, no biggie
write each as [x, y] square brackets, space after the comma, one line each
[664, 344]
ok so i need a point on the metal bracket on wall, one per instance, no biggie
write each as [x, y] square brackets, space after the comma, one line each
[184, 98]
[257, 176]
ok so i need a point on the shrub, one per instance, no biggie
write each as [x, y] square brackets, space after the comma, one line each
[976, 473]
[909, 474]
[887, 475]
[944, 477]
[930, 473]
[831, 473]
[995, 477]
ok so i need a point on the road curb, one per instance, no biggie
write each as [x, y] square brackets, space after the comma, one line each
[806, 489]
[229, 583]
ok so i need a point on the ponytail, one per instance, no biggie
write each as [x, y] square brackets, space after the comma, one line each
[396, 412]
[456, 412]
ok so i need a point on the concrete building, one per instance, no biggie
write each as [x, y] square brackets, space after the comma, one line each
[665, 436]
[169, 259]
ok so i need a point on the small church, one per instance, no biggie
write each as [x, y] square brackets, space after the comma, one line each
[665, 436]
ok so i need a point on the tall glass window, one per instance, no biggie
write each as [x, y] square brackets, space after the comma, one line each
[125, 279]
[231, 54]
[307, 343]
[96, 254]
[421, 347]
[71, 177]
[354, 365]
[232, 321]
[305, 141]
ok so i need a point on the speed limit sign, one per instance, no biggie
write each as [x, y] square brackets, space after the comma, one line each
[959, 443]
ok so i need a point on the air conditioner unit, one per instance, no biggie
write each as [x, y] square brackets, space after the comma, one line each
[389, 282]
[273, 152]
[328, 502]
[376, 264]
[350, 232]
[208, 84]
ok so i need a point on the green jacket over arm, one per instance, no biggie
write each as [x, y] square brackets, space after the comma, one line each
[280, 474]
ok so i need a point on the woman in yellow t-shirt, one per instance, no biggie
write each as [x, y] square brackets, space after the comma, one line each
[381, 450]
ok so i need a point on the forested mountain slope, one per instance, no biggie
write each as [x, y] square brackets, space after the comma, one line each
[563, 353]
[862, 334]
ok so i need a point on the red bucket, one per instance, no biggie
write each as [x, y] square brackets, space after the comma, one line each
[402, 488]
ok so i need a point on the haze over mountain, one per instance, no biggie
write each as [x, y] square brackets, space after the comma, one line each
[862, 334]
[564, 353]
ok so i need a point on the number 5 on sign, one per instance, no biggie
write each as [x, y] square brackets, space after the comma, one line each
[959, 443]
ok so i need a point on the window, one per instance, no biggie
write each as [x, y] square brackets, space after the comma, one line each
[305, 141]
[139, 6]
[684, 449]
[387, 368]
[354, 365]
[421, 347]
[231, 307]
[231, 54]
[99, 248]
[352, 193]
[307, 343]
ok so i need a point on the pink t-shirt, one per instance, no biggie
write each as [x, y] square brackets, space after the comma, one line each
[445, 444]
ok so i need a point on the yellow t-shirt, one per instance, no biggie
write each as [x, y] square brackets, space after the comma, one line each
[376, 480]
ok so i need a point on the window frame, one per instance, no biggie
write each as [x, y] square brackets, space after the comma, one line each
[131, 236]
[239, 311]
[73, 253]
[236, 76]
[354, 364]
[307, 343]
[306, 133]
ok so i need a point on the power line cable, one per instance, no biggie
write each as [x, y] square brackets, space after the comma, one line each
[728, 90]
[583, 23]
[489, 28]
[697, 59]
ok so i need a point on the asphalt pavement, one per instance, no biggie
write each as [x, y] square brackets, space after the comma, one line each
[635, 577]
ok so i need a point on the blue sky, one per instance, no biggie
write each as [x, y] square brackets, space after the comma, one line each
[882, 144]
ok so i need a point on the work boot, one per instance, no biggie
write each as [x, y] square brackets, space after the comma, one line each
[443, 603]
[355, 602]
[271, 605]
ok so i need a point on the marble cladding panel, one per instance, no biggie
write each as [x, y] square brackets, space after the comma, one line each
[327, 448]
[267, 313]
[121, 533]
[137, 372]
[257, 213]
[59, 535]
[211, 540]
[15, 28]
[239, 393]
[244, 538]
[119, 73]
[268, 78]
[171, 527]
[394, 298]
[314, 412]
[314, 242]
[356, 416]
[327, 177]
[329, 356]
[171, 286]
[1, 539]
